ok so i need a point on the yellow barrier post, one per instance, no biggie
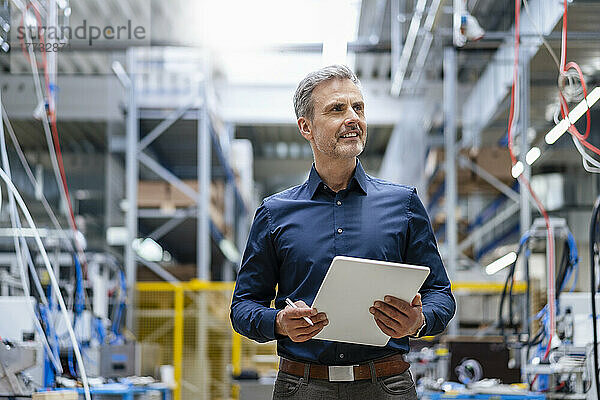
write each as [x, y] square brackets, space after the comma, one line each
[178, 340]
[236, 353]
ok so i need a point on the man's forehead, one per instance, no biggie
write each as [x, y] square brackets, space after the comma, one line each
[337, 89]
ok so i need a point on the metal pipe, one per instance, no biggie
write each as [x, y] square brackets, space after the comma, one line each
[524, 88]
[450, 77]
[417, 71]
[203, 196]
[411, 37]
[131, 183]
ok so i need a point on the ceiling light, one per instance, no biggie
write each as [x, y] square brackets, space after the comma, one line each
[517, 169]
[148, 249]
[581, 108]
[593, 96]
[557, 131]
[533, 155]
[501, 263]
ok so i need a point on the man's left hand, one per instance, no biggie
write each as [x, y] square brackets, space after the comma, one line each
[397, 318]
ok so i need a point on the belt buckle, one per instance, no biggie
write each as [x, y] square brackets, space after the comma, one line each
[344, 373]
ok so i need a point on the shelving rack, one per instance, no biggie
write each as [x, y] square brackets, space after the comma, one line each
[168, 108]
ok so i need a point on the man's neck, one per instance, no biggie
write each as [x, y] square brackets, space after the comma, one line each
[336, 173]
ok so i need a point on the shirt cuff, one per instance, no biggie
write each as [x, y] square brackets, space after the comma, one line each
[267, 323]
[429, 316]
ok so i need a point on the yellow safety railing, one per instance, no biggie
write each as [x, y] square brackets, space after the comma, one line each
[190, 321]
[189, 316]
[487, 287]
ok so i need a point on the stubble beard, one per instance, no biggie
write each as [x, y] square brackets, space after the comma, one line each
[338, 150]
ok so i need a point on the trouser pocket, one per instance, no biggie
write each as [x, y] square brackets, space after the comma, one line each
[286, 385]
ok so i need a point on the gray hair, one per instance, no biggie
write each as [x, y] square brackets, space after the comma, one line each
[303, 104]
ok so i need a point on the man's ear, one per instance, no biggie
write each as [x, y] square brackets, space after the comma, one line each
[305, 128]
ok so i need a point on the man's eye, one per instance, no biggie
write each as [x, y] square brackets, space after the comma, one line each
[337, 108]
[358, 108]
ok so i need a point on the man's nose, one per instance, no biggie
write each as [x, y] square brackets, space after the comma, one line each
[352, 117]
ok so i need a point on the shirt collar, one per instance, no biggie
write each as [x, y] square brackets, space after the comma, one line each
[359, 176]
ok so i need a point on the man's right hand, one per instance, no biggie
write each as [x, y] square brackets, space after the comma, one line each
[289, 322]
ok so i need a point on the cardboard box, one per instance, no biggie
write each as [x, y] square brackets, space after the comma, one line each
[56, 395]
[160, 194]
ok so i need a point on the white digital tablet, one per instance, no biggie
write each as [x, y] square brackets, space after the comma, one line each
[350, 288]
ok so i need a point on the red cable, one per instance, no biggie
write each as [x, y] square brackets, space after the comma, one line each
[56, 144]
[574, 65]
[563, 69]
[564, 109]
[525, 181]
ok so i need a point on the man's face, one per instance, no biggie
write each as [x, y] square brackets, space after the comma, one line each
[338, 129]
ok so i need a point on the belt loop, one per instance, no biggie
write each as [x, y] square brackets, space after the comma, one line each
[373, 373]
[306, 372]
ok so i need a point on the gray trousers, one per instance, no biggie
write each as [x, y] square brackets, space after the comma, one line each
[397, 387]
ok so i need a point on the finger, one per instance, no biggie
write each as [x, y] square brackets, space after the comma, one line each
[312, 333]
[389, 310]
[397, 303]
[318, 318]
[297, 325]
[416, 302]
[311, 330]
[389, 322]
[301, 304]
[385, 329]
[298, 313]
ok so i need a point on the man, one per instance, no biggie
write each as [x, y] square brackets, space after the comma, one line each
[339, 210]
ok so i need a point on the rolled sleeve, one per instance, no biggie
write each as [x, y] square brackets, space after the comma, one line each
[436, 295]
[251, 314]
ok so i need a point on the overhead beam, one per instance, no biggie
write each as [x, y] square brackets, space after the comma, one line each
[244, 104]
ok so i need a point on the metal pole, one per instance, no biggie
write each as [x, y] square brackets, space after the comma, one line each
[525, 216]
[51, 55]
[204, 163]
[229, 200]
[450, 164]
[131, 183]
[396, 32]
[456, 17]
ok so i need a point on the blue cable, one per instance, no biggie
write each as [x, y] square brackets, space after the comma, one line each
[117, 321]
[71, 366]
[100, 332]
[574, 258]
[79, 289]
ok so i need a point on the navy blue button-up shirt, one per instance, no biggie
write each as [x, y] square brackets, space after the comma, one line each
[297, 233]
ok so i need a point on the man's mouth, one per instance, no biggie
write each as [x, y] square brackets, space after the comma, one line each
[349, 134]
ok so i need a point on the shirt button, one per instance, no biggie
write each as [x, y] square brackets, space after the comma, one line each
[341, 355]
[339, 203]
[325, 187]
[340, 230]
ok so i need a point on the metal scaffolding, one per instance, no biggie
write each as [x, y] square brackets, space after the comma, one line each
[143, 102]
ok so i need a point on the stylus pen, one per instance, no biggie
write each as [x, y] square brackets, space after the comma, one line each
[291, 304]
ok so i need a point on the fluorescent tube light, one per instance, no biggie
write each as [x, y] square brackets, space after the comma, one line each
[533, 155]
[517, 169]
[593, 97]
[576, 113]
[557, 131]
[501, 263]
